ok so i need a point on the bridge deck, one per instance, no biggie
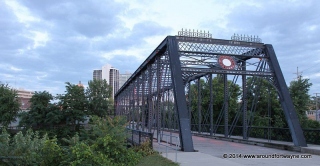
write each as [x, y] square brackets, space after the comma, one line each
[211, 151]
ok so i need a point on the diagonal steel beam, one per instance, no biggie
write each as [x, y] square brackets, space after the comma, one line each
[179, 96]
[286, 101]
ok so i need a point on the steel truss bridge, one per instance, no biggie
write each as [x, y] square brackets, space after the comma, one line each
[158, 96]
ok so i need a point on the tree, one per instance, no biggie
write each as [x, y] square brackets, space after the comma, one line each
[29, 149]
[262, 96]
[218, 99]
[99, 97]
[314, 103]
[299, 90]
[105, 143]
[9, 105]
[42, 112]
[73, 104]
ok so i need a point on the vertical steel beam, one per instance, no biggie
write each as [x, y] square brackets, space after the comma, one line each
[164, 109]
[211, 105]
[116, 105]
[130, 107]
[171, 114]
[244, 103]
[158, 102]
[143, 105]
[134, 90]
[138, 103]
[285, 99]
[133, 100]
[226, 105]
[119, 105]
[269, 113]
[124, 106]
[150, 105]
[190, 102]
[179, 96]
[199, 105]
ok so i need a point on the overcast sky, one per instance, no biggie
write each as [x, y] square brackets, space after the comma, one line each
[45, 43]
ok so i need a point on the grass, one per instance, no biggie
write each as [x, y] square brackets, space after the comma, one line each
[156, 160]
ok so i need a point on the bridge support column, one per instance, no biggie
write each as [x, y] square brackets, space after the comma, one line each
[189, 102]
[211, 105]
[286, 101]
[226, 105]
[199, 105]
[179, 96]
[158, 100]
[244, 103]
[149, 100]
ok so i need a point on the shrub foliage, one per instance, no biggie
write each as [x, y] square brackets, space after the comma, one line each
[103, 144]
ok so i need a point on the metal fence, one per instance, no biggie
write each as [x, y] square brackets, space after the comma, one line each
[137, 137]
[168, 143]
[270, 133]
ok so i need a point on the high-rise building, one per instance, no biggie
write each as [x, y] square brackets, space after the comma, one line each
[106, 72]
[114, 80]
[123, 78]
[97, 74]
[110, 74]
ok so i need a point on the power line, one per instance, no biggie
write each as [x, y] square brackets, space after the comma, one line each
[309, 67]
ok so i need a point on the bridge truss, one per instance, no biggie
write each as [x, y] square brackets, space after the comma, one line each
[158, 96]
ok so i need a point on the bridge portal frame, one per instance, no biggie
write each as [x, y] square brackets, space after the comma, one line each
[165, 72]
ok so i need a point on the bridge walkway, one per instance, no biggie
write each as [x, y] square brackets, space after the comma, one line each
[216, 151]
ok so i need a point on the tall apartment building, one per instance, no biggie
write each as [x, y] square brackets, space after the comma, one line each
[123, 78]
[114, 80]
[97, 74]
[110, 74]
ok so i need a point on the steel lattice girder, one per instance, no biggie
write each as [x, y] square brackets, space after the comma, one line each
[179, 60]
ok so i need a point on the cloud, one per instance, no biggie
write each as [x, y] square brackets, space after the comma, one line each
[9, 67]
[54, 38]
[88, 18]
[46, 43]
[289, 22]
[291, 27]
[22, 13]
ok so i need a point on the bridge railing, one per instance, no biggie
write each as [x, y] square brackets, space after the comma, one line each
[137, 137]
[271, 133]
[168, 143]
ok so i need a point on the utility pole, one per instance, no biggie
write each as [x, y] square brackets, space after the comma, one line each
[298, 74]
[317, 106]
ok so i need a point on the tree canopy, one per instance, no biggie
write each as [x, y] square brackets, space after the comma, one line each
[99, 97]
[9, 105]
[73, 104]
[42, 112]
[218, 90]
[299, 91]
[263, 100]
[69, 109]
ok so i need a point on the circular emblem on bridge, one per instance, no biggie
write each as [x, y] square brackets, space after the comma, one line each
[226, 62]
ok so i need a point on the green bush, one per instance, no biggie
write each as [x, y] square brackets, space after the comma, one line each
[104, 144]
[144, 149]
[29, 149]
[106, 140]
[51, 153]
